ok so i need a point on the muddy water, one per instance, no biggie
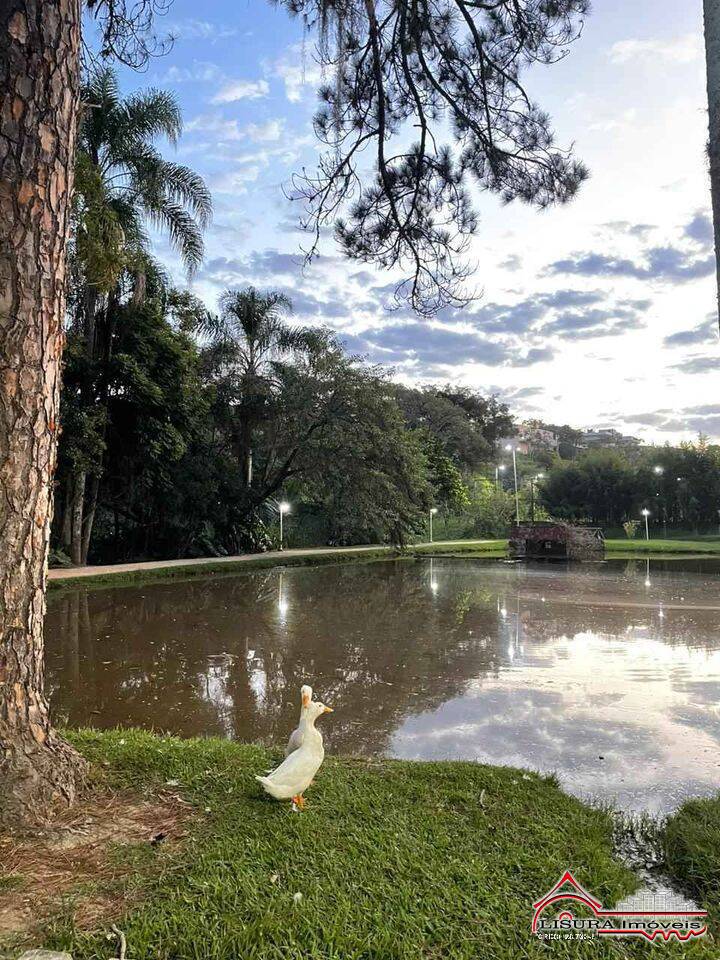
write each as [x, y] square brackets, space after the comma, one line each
[608, 674]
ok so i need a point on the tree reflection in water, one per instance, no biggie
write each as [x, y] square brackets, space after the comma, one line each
[393, 646]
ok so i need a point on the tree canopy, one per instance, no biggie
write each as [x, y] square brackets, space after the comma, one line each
[432, 91]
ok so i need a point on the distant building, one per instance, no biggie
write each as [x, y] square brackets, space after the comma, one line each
[533, 436]
[608, 438]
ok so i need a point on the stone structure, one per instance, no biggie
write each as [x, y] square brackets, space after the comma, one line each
[557, 540]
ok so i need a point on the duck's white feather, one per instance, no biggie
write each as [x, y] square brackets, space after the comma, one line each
[296, 737]
[296, 772]
[295, 741]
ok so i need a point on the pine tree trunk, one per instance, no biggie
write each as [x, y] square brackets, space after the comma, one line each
[711, 9]
[39, 91]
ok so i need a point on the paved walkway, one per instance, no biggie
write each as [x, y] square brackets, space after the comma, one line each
[72, 573]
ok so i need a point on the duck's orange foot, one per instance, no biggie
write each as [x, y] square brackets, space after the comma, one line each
[300, 799]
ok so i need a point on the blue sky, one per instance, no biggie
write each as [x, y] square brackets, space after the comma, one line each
[599, 313]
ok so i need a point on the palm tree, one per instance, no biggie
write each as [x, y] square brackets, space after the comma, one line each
[123, 186]
[124, 183]
[251, 335]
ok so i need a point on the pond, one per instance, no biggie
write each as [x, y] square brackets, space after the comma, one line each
[606, 673]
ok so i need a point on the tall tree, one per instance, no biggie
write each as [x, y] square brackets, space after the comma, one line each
[123, 184]
[251, 335]
[39, 102]
[711, 11]
[39, 51]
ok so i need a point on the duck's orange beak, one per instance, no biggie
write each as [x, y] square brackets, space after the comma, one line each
[328, 710]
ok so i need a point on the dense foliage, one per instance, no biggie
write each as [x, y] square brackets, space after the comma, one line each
[679, 486]
[210, 420]
[123, 185]
[425, 102]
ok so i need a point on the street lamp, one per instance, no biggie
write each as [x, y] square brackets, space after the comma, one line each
[284, 508]
[533, 481]
[659, 471]
[646, 514]
[433, 511]
[499, 468]
[511, 448]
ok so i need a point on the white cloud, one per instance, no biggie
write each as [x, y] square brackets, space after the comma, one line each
[297, 70]
[242, 90]
[190, 29]
[234, 181]
[683, 49]
[267, 132]
[230, 130]
[213, 123]
[199, 72]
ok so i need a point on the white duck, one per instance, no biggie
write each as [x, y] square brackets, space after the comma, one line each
[296, 772]
[296, 737]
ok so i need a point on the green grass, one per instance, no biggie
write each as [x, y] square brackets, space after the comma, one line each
[204, 568]
[663, 546]
[484, 547]
[692, 851]
[393, 859]
[314, 557]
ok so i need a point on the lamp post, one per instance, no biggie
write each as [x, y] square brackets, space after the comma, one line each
[659, 471]
[511, 448]
[433, 511]
[646, 514]
[533, 481]
[499, 468]
[284, 508]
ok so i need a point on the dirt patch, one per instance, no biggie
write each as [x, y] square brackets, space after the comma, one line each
[76, 863]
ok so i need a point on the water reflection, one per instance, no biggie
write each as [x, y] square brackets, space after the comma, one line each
[585, 670]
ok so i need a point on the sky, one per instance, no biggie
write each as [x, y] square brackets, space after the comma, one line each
[599, 313]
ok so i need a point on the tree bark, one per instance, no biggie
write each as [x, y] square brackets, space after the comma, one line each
[711, 11]
[39, 93]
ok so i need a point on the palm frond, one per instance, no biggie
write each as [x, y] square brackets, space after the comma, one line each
[100, 97]
[138, 183]
[183, 185]
[184, 233]
[152, 113]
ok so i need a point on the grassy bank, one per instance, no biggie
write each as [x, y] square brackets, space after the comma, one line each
[692, 851]
[663, 546]
[174, 570]
[394, 860]
[475, 547]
